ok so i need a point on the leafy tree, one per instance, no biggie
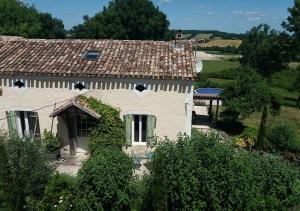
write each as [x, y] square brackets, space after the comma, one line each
[293, 25]
[104, 181]
[265, 50]
[23, 171]
[247, 94]
[207, 172]
[19, 19]
[297, 86]
[125, 19]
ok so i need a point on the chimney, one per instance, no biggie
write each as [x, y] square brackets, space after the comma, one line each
[179, 35]
[179, 46]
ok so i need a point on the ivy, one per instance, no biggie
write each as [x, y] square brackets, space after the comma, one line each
[110, 130]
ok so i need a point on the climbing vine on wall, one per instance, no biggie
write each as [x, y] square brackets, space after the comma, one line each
[110, 130]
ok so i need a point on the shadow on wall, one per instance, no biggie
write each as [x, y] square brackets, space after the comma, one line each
[102, 83]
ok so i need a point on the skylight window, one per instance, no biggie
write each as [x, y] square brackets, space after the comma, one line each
[92, 55]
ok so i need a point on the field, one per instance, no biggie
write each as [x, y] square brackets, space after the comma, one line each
[222, 43]
[210, 66]
[288, 115]
[220, 72]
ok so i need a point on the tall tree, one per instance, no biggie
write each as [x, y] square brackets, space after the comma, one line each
[293, 25]
[19, 19]
[297, 86]
[267, 51]
[250, 93]
[125, 19]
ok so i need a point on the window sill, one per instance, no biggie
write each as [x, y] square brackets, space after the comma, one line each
[139, 144]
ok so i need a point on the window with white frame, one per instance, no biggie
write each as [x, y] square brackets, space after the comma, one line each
[24, 123]
[139, 127]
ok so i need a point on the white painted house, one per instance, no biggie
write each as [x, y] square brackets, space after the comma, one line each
[147, 80]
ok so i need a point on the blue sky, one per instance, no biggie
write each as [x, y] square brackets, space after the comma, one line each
[225, 15]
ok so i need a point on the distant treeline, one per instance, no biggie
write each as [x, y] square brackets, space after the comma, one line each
[215, 33]
[227, 49]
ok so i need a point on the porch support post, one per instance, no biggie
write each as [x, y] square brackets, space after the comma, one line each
[210, 109]
[217, 111]
[72, 133]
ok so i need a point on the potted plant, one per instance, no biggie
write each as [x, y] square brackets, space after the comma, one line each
[52, 145]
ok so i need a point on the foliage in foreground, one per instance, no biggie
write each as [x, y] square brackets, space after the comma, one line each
[210, 174]
[110, 130]
[23, 170]
[58, 194]
[104, 181]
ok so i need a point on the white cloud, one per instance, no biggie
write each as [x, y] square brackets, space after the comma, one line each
[210, 13]
[165, 1]
[253, 15]
[200, 6]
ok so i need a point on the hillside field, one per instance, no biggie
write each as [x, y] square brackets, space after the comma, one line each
[222, 43]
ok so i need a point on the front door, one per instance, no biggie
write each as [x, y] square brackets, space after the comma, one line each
[84, 123]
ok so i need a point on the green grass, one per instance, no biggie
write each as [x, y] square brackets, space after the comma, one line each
[219, 65]
[288, 115]
[220, 81]
[285, 79]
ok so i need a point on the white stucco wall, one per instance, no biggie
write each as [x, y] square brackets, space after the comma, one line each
[169, 100]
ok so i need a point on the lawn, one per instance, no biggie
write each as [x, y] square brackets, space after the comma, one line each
[219, 65]
[221, 71]
[288, 115]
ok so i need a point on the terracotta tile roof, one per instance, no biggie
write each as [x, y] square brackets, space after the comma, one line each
[138, 59]
[78, 104]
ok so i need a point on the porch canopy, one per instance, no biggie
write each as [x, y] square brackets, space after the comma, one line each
[72, 114]
[210, 94]
[207, 94]
[78, 104]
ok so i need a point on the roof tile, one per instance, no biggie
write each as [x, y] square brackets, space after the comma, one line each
[142, 59]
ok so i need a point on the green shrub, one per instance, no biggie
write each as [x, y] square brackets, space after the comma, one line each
[52, 144]
[23, 170]
[104, 181]
[110, 131]
[282, 137]
[208, 173]
[250, 133]
[58, 193]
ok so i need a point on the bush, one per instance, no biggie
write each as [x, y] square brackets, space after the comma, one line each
[282, 137]
[23, 170]
[52, 144]
[58, 193]
[110, 131]
[248, 138]
[208, 173]
[104, 181]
